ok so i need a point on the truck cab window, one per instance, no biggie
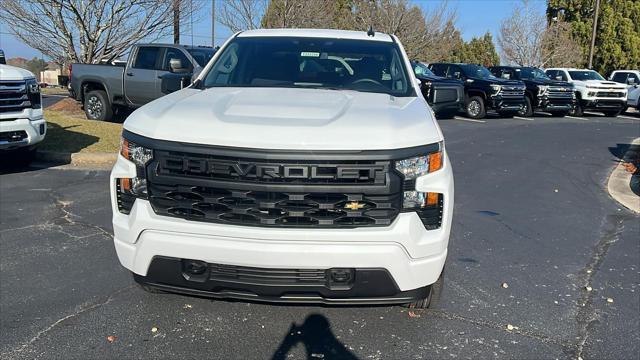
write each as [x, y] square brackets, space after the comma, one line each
[620, 77]
[147, 58]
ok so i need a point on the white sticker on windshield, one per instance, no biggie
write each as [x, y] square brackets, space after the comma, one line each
[310, 54]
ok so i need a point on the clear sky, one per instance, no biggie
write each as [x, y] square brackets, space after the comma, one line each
[475, 17]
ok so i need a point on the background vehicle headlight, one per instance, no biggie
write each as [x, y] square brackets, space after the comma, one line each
[420, 165]
[495, 88]
[542, 89]
[33, 92]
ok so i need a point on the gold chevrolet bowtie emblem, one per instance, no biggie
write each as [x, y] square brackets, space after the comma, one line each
[354, 205]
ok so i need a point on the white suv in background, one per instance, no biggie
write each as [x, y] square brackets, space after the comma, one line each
[631, 78]
[284, 175]
[22, 124]
[593, 92]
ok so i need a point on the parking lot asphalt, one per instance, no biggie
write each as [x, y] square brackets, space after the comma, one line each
[531, 211]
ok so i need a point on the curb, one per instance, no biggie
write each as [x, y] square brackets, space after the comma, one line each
[78, 159]
[618, 184]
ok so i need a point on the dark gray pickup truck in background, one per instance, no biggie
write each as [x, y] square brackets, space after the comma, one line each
[101, 88]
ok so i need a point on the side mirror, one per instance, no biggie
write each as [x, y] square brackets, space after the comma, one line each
[171, 82]
[176, 66]
[506, 76]
[559, 78]
[631, 81]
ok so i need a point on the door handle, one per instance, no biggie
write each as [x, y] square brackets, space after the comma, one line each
[129, 74]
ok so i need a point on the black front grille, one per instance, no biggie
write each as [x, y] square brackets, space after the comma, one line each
[511, 92]
[266, 276]
[560, 93]
[273, 208]
[274, 193]
[13, 96]
[609, 94]
[13, 136]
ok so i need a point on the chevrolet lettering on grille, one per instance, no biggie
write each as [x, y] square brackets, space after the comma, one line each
[271, 171]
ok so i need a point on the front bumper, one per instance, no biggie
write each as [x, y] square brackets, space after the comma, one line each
[412, 256]
[506, 104]
[29, 121]
[604, 103]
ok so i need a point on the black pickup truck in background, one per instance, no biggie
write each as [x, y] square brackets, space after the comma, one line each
[445, 96]
[101, 88]
[553, 96]
[483, 90]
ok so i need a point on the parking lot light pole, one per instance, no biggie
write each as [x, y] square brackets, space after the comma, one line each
[213, 23]
[593, 34]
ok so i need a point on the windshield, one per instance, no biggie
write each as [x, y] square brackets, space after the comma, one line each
[318, 63]
[583, 75]
[201, 56]
[422, 69]
[532, 74]
[477, 71]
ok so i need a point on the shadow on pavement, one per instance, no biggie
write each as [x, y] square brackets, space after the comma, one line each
[316, 336]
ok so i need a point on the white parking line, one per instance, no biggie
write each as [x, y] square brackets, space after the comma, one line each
[544, 113]
[628, 117]
[577, 118]
[594, 113]
[465, 119]
[523, 118]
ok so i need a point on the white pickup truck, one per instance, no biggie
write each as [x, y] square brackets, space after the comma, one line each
[593, 92]
[631, 78]
[300, 166]
[22, 124]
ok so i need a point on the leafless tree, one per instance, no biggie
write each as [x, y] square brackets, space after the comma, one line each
[240, 15]
[301, 14]
[88, 31]
[526, 39]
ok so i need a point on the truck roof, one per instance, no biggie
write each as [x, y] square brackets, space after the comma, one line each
[176, 45]
[317, 33]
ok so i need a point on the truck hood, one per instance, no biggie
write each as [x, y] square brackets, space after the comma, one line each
[548, 82]
[600, 84]
[288, 119]
[8, 72]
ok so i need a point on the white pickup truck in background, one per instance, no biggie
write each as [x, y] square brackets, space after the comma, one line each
[22, 124]
[631, 78]
[593, 92]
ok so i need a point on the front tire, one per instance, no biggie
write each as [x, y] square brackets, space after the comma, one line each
[475, 108]
[578, 110]
[433, 297]
[97, 106]
[527, 111]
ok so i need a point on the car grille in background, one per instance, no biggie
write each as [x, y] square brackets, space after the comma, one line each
[560, 93]
[512, 92]
[265, 276]
[272, 208]
[609, 94]
[13, 136]
[13, 96]
[207, 188]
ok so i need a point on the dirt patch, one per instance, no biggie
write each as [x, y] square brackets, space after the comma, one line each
[67, 106]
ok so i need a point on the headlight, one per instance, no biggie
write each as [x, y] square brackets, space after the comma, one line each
[128, 189]
[542, 89]
[495, 88]
[420, 165]
[33, 92]
[137, 154]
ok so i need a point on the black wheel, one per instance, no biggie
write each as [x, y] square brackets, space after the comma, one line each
[612, 113]
[97, 106]
[527, 110]
[578, 110]
[559, 113]
[433, 297]
[475, 107]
